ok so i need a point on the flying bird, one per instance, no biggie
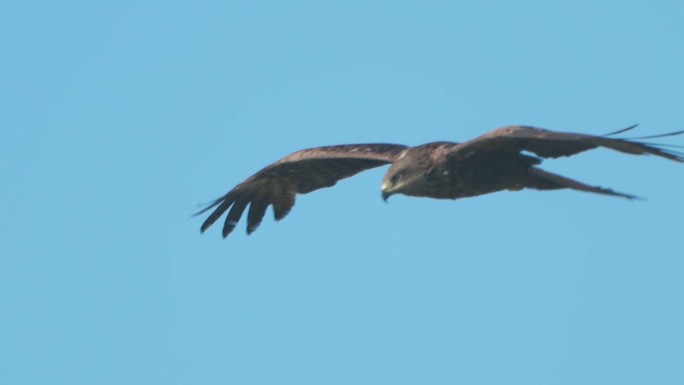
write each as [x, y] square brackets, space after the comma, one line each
[502, 159]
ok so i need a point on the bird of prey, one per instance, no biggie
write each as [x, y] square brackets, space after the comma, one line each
[499, 160]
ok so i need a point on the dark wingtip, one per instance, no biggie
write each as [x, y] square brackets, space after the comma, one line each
[622, 130]
[281, 214]
[283, 205]
[204, 227]
[223, 203]
[624, 195]
[208, 222]
[632, 197]
[210, 205]
[252, 228]
[228, 228]
[673, 133]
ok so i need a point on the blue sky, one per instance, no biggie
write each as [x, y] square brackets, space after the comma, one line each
[118, 119]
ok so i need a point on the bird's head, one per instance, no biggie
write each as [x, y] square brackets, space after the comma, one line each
[400, 178]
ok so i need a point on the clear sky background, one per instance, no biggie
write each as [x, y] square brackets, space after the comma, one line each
[118, 119]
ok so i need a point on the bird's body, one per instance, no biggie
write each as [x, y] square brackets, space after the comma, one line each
[445, 179]
[499, 160]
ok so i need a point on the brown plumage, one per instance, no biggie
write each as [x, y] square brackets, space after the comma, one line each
[496, 161]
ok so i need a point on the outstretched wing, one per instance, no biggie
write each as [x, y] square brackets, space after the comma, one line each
[551, 144]
[301, 172]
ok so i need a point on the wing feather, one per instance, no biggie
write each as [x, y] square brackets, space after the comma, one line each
[298, 173]
[552, 144]
[282, 205]
[257, 210]
[233, 216]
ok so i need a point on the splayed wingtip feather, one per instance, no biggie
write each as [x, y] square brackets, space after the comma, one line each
[622, 130]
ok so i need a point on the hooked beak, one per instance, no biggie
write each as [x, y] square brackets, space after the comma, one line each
[385, 194]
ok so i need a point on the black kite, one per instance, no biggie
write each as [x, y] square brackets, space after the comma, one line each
[499, 160]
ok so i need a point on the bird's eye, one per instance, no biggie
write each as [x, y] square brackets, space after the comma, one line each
[395, 178]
